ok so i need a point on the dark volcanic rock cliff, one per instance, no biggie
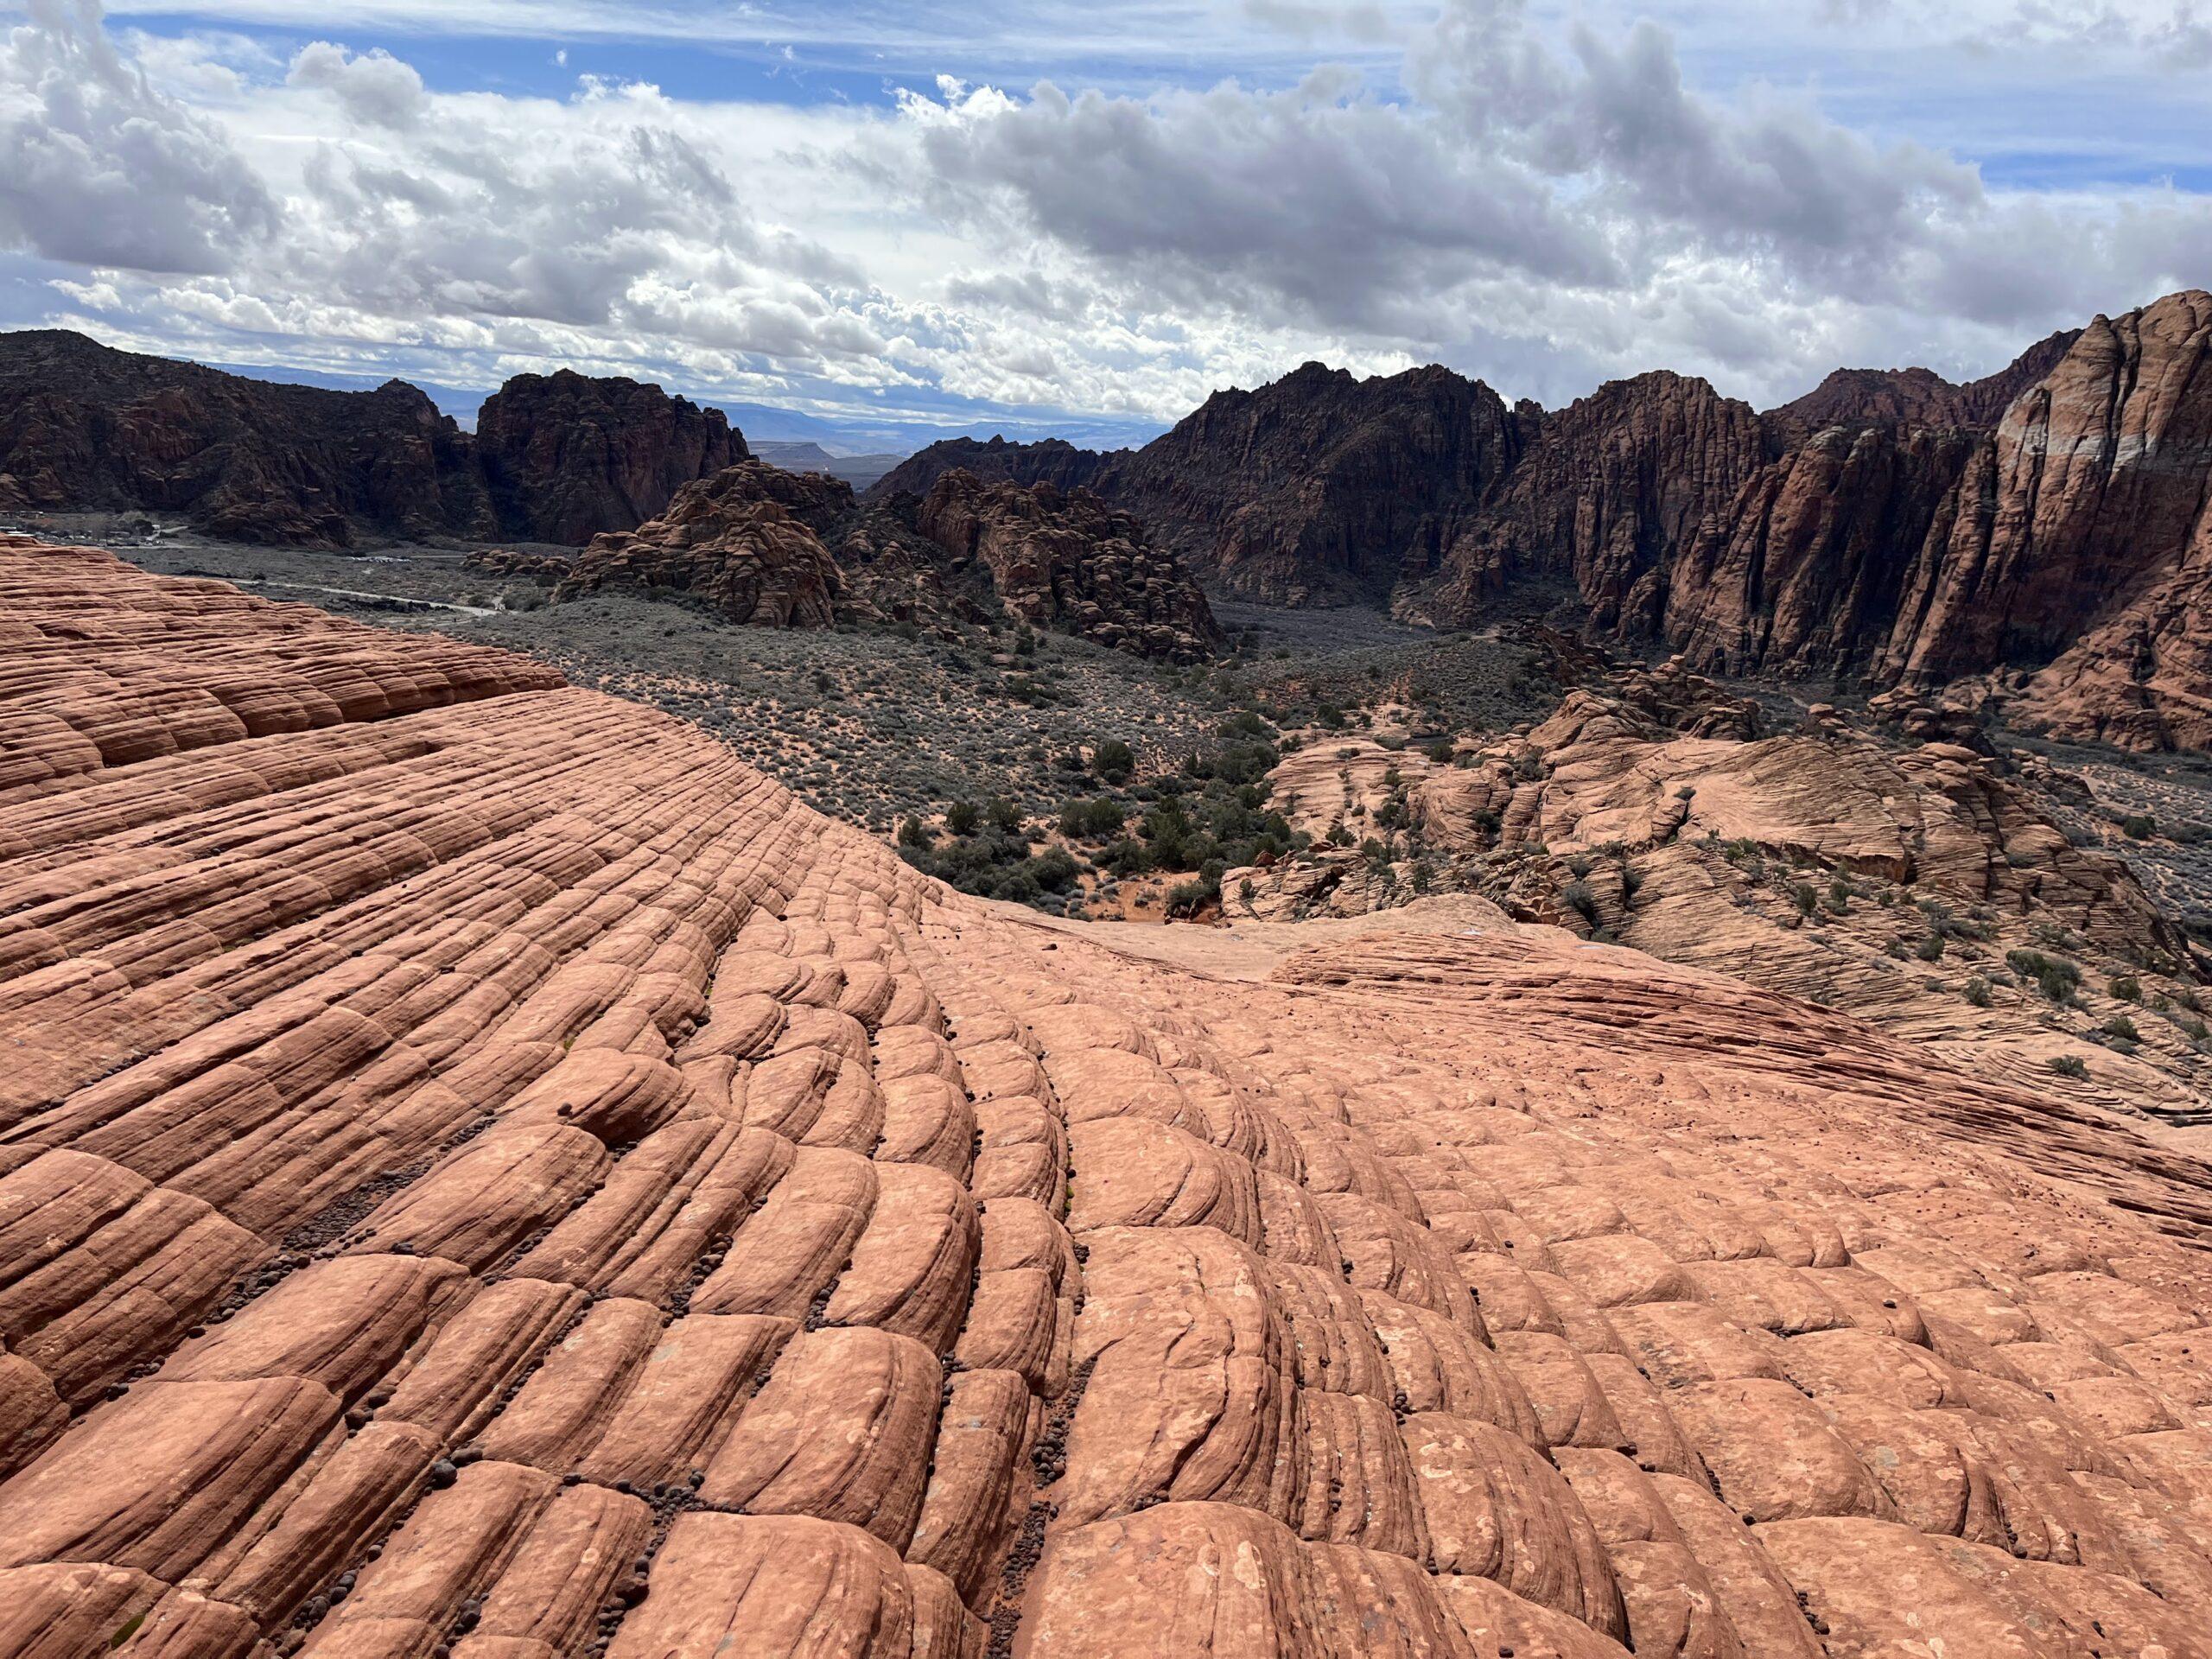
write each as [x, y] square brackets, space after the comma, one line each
[567, 456]
[83, 428]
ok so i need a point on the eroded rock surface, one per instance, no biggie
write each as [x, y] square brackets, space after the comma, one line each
[557, 458]
[483, 1171]
[567, 456]
[1065, 560]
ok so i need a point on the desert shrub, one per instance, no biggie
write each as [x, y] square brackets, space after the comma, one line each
[1977, 991]
[1577, 896]
[2070, 1065]
[2127, 989]
[2056, 978]
[1114, 759]
[2121, 1026]
[1930, 948]
[1092, 820]
[962, 817]
[1808, 898]
[2139, 826]
[1004, 816]
[913, 832]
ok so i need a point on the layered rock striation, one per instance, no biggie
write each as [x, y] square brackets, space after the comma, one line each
[482, 1169]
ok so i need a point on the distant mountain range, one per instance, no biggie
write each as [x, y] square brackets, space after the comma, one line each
[2045, 533]
[2042, 537]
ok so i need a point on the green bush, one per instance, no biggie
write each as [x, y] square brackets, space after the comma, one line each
[2127, 989]
[2121, 1026]
[2139, 826]
[962, 817]
[1114, 759]
[1978, 991]
[1004, 816]
[2056, 978]
[1930, 948]
[1097, 819]
[2070, 1065]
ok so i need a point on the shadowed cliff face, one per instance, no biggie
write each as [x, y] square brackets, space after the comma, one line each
[1321, 487]
[83, 428]
[568, 457]
[483, 1168]
[557, 458]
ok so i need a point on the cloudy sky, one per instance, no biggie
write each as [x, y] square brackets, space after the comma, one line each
[887, 217]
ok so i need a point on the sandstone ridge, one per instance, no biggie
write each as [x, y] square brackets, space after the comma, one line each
[482, 1171]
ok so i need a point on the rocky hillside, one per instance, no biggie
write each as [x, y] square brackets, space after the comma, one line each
[490, 1172]
[557, 458]
[1926, 887]
[86, 429]
[567, 456]
[757, 545]
[1065, 560]
[2041, 532]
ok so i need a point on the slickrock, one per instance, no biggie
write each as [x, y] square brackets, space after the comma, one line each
[629, 1214]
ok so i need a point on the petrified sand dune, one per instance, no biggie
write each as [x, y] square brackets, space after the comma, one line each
[484, 1172]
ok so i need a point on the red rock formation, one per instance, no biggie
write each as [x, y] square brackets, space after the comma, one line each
[568, 457]
[1921, 397]
[2090, 495]
[1050, 460]
[86, 429]
[739, 543]
[1611, 488]
[1801, 572]
[1070, 561]
[1319, 488]
[506, 1177]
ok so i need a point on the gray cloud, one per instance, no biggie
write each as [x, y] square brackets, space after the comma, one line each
[97, 168]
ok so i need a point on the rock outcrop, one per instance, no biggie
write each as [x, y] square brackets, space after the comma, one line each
[758, 544]
[744, 543]
[1321, 487]
[1916, 397]
[1925, 889]
[1049, 461]
[2092, 498]
[568, 457]
[559, 458]
[85, 429]
[1069, 561]
[499, 1175]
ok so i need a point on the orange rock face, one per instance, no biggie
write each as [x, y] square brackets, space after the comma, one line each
[484, 1172]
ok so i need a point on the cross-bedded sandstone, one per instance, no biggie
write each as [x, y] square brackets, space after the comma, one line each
[484, 1172]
